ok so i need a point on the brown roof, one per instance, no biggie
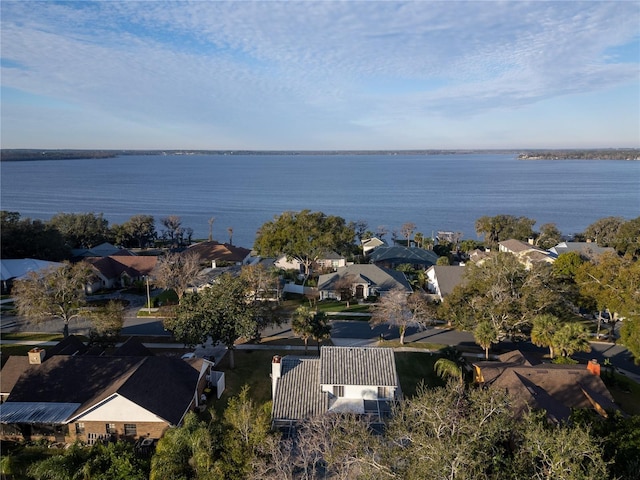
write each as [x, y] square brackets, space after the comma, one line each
[554, 388]
[114, 266]
[163, 385]
[222, 252]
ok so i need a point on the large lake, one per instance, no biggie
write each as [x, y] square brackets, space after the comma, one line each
[436, 192]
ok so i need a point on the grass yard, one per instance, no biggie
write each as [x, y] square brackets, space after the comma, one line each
[253, 368]
[626, 393]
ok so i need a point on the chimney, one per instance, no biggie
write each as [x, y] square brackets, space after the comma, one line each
[213, 264]
[594, 367]
[276, 369]
[36, 356]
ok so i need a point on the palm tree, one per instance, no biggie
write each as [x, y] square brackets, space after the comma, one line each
[321, 329]
[570, 338]
[543, 330]
[445, 367]
[485, 334]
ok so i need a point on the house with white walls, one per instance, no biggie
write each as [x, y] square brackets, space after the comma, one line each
[359, 380]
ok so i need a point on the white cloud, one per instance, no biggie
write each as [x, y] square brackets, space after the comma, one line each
[254, 70]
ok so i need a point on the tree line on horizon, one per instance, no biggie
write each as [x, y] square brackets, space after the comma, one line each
[53, 240]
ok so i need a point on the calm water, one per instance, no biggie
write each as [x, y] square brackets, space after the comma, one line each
[447, 192]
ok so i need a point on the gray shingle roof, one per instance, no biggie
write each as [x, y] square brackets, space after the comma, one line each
[383, 279]
[298, 392]
[400, 254]
[358, 366]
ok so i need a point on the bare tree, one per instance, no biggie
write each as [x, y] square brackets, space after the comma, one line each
[172, 225]
[345, 288]
[394, 309]
[177, 271]
[407, 230]
[211, 220]
[230, 230]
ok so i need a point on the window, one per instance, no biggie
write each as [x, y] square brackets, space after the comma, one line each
[79, 428]
[110, 428]
[338, 390]
[130, 430]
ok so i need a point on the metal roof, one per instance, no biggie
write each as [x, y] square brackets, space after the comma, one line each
[36, 412]
[358, 366]
[298, 392]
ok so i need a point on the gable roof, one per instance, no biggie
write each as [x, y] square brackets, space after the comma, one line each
[448, 277]
[399, 254]
[516, 246]
[84, 381]
[358, 366]
[298, 393]
[383, 279]
[223, 252]
[115, 266]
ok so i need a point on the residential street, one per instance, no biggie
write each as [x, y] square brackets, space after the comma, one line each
[344, 332]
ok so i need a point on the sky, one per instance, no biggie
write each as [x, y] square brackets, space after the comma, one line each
[319, 75]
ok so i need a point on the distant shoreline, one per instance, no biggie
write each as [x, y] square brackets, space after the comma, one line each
[15, 155]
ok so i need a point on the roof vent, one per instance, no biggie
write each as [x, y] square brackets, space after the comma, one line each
[36, 356]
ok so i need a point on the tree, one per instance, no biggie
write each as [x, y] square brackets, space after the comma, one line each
[210, 221]
[81, 230]
[304, 236]
[630, 336]
[187, 451]
[230, 231]
[443, 261]
[26, 238]
[139, 231]
[485, 334]
[262, 283]
[446, 368]
[223, 312]
[570, 338]
[558, 452]
[345, 286]
[176, 271]
[604, 231]
[301, 324]
[613, 283]
[246, 426]
[321, 328]
[407, 230]
[503, 227]
[502, 291]
[567, 264]
[394, 309]
[627, 241]
[173, 230]
[549, 236]
[543, 331]
[108, 321]
[58, 292]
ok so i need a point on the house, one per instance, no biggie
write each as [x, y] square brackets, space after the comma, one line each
[361, 380]
[554, 388]
[16, 269]
[119, 271]
[526, 253]
[70, 394]
[392, 257]
[367, 281]
[216, 253]
[442, 279]
[105, 249]
[369, 244]
[327, 261]
[587, 250]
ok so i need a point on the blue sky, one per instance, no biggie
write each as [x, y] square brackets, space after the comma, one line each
[320, 74]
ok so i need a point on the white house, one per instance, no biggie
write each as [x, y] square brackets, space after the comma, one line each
[442, 279]
[361, 380]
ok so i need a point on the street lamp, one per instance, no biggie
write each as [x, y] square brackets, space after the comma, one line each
[148, 295]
